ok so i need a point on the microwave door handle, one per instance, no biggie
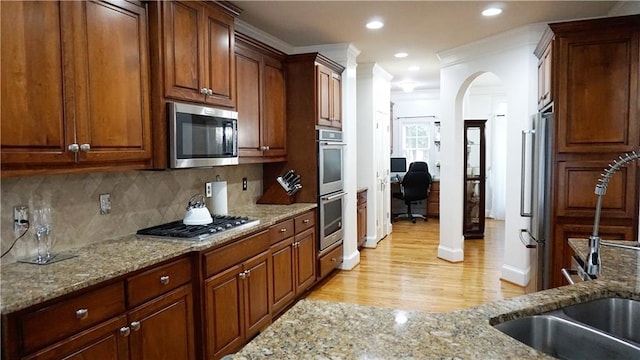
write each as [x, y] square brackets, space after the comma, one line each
[333, 197]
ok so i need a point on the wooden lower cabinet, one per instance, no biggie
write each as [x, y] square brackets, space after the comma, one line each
[330, 261]
[237, 305]
[104, 341]
[97, 324]
[293, 268]
[433, 201]
[362, 218]
[163, 328]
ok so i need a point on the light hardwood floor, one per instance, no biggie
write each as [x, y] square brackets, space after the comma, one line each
[404, 272]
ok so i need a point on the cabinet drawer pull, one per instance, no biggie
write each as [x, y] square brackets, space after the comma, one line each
[85, 147]
[164, 280]
[203, 91]
[125, 331]
[209, 92]
[242, 275]
[74, 147]
[82, 313]
[334, 259]
[135, 325]
[283, 230]
[305, 221]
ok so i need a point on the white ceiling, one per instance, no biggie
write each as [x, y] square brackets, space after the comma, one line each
[420, 28]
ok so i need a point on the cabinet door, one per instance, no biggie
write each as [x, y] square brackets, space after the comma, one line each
[256, 295]
[110, 86]
[274, 125]
[183, 45]
[219, 62]
[362, 224]
[544, 78]
[597, 98]
[336, 101]
[305, 259]
[324, 83]
[33, 126]
[224, 312]
[104, 341]
[163, 328]
[282, 274]
[249, 97]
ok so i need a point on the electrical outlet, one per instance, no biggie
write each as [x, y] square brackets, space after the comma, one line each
[244, 184]
[207, 190]
[20, 217]
[105, 204]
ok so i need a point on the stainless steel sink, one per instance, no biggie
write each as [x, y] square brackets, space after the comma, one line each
[566, 339]
[620, 317]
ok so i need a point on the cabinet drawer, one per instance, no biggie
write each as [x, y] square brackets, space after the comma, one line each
[229, 255]
[281, 231]
[58, 321]
[305, 221]
[158, 281]
[330, 261]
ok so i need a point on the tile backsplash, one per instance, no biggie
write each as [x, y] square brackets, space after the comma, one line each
[139, 199]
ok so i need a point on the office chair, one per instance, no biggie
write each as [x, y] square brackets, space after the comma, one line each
[415, 186]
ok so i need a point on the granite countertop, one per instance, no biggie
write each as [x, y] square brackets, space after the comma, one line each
[23, 285]
[327, 330]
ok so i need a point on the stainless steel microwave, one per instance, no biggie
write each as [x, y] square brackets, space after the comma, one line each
[201, 136]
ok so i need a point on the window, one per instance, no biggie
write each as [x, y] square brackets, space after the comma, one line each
[415, 141]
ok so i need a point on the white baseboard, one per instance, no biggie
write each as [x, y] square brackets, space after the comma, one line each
[349, 261]
[371, 242]
[516, 275]
[449, 254]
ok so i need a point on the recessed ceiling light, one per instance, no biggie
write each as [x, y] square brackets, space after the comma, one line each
[375, 24]
[414, 68]
[408, 86]
[401, 55]
[492, 12]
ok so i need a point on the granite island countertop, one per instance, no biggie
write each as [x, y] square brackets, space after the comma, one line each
[328, 330]
[23, 285]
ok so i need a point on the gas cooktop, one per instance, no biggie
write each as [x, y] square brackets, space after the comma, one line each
[178, 230]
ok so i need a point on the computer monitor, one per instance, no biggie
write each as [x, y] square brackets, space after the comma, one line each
[398, 165]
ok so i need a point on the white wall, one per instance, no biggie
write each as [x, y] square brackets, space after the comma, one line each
[373, 98]
[510, 57]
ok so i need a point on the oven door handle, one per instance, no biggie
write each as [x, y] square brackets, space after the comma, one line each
[331, 143]
[333, 197]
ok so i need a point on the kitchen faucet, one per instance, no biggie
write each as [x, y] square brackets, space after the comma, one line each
[592, 266]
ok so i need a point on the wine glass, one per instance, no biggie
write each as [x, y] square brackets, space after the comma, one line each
[42, 223]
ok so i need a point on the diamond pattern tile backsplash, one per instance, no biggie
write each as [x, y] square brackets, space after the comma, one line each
[139, 199]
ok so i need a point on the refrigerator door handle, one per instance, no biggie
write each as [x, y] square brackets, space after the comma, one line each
[523, 173]
[527, 243]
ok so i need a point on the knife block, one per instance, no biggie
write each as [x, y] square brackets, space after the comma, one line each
[276, 195]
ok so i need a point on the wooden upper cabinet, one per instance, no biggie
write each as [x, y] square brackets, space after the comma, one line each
[329, 97]
[33, 125]
[198, 53]
[260, 101]
[90, 59]
[544, 78]
[598, 87]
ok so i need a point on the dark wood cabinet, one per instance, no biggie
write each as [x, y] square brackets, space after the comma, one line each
[293, 259]
[595, 100]
[329, 101]
[362, 217]
[147, 316]
[260, 101]
[236, 295]
[474, 179]
[198, 42]
[89, 118]
[163, 328]
[433, 201]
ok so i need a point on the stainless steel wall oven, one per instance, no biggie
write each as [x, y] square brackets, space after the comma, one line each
[330, 187]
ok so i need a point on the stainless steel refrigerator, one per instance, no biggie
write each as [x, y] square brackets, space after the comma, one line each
[535, 199]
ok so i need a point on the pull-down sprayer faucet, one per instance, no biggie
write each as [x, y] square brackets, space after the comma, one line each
[592, 266]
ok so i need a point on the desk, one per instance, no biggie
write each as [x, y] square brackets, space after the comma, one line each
[432, 204]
